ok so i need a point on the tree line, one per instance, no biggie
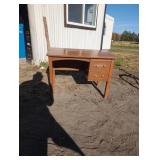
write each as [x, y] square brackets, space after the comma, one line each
[126, 36]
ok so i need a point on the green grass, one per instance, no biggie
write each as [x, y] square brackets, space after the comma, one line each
[125, 47]
[126, 55]
[125, 50]
[44, 64]
[121, 46]
[119, 62]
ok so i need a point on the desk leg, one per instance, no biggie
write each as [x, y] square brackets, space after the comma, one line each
[51, 72]
[107, 87]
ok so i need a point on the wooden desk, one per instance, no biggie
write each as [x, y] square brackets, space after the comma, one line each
[98, 64]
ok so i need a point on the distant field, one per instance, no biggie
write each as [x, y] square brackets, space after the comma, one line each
[125, 46]
[127, 55]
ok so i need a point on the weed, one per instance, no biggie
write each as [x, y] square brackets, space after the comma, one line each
[119, 62]
[44, 65]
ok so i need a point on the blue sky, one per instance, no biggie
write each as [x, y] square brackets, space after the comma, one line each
[126, 17]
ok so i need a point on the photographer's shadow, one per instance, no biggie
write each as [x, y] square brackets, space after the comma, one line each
[36, 124]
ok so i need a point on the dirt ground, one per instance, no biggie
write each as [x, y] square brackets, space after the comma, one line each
[78, 121]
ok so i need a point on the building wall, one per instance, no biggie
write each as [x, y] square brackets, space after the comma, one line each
[60, 36]
[107, 37]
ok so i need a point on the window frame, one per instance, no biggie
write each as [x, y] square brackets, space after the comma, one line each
[80, 25]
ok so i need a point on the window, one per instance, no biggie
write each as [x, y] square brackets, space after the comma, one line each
[83, 15]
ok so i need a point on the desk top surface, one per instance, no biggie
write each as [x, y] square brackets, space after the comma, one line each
[79, 53]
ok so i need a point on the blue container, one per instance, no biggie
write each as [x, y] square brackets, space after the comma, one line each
[22, 50]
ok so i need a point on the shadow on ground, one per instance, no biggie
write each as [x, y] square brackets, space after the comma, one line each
[129, 78]
[80, 78]
[36, 124]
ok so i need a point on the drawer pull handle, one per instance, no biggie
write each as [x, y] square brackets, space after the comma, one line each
[100, 65]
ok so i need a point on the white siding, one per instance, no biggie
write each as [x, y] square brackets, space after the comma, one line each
[107, 37]
[60, 36]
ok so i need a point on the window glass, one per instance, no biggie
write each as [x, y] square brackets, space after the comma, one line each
[90, 14]
[75, 12]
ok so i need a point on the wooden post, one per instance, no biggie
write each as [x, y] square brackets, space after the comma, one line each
[46, 33]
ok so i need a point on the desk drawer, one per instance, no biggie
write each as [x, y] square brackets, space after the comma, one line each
[99, 69]
[97, 76]
[99, 64]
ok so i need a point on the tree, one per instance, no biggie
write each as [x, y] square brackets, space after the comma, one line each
[116, 37]
[128, 36]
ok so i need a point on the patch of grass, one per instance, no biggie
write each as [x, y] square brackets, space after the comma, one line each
[121, 46]
[125, 44]
[119, 62]
[44, 65]
[126, 55]
[127, 61]
[124, 50]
